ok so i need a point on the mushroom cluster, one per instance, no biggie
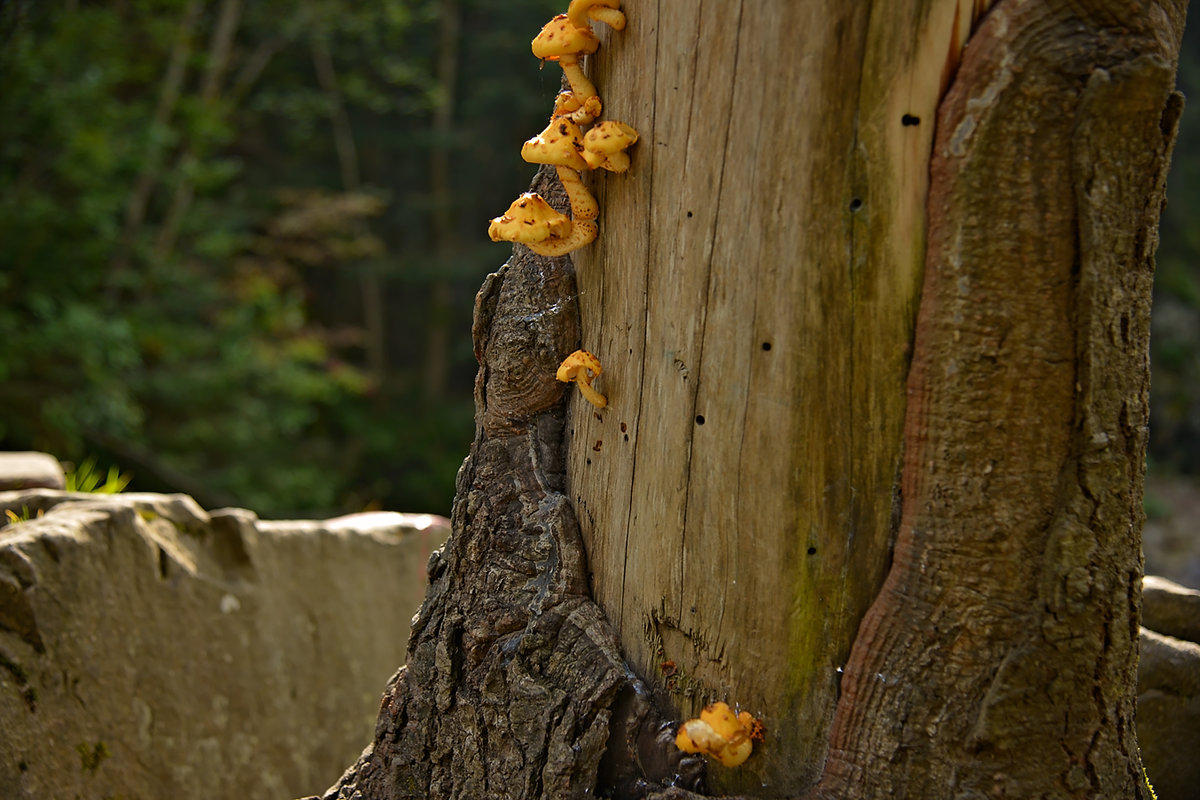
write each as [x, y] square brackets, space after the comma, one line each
[564, 144]
[721, 734]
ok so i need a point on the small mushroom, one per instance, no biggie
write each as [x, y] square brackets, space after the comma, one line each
[562, 41]
[560, 144]
[604, 146]
[606, 11]
[583, 367]
[529, 220]
[720, 734]
[580, 110]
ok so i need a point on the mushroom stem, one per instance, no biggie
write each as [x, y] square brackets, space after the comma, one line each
[583, 232]
[580, 85]
[591, 395]
[583, 205]
[612, 17]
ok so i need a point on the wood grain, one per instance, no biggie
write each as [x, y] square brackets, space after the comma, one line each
[752, 296]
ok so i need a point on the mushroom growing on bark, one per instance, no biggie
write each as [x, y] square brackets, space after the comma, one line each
[720, 734]
[582, 367]
[604, 146]
[561, 145]
[531, 221]
[564, 42]
[580, 110]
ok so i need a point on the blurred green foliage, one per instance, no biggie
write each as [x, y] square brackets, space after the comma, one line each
[1175, 321]
[88, 477]
[228, 259]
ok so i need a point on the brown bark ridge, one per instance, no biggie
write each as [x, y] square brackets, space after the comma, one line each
[514, 685]
[999, 660]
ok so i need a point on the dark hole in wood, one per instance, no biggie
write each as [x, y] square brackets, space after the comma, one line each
[855, 204]
[699, 419]
[908, 120]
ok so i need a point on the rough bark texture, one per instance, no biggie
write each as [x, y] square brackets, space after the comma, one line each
[514, 685]
[1000, 658]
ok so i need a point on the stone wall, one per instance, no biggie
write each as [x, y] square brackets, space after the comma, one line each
[150, 649]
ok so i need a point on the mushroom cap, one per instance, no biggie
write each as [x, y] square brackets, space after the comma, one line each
[577, 366]
[560, 144]
[561, 38]
[529, 219]
[606, 139]
[580, 110]
[718, 733]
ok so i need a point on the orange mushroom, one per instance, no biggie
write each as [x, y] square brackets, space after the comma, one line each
[720, 734]
[604, 146]
[580, 110]
[562, 41]
[582, 367]
[560, 144]
[606, 11]
[529, 220]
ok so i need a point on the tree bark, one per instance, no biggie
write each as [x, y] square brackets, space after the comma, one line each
[926, 582]
[514, 685]
[1006, 634]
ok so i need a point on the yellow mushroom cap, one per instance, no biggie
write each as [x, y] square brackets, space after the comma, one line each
[582, 367]
[718, 733]
[579, 362]
[560, 38]
[580, 110]
[529, 219]
[604, 145]
[561, 144]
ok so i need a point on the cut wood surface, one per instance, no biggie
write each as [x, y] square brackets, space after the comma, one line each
[752, 297]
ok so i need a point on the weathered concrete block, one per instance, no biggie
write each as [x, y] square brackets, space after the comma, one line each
[1171, 609]
[30, 470]
[149, 649]
[1168, 714]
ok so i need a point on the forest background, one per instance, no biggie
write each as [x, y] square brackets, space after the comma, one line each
[239, 242]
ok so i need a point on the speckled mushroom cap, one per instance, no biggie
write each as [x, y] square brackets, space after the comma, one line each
[529, 219]
[604, 145]
[560, 144]
[560, 38]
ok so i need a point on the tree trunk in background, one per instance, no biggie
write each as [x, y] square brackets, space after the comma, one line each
[148, 177]
[220, 47]
[925, 582]
[441, 196]
[1006, 634]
